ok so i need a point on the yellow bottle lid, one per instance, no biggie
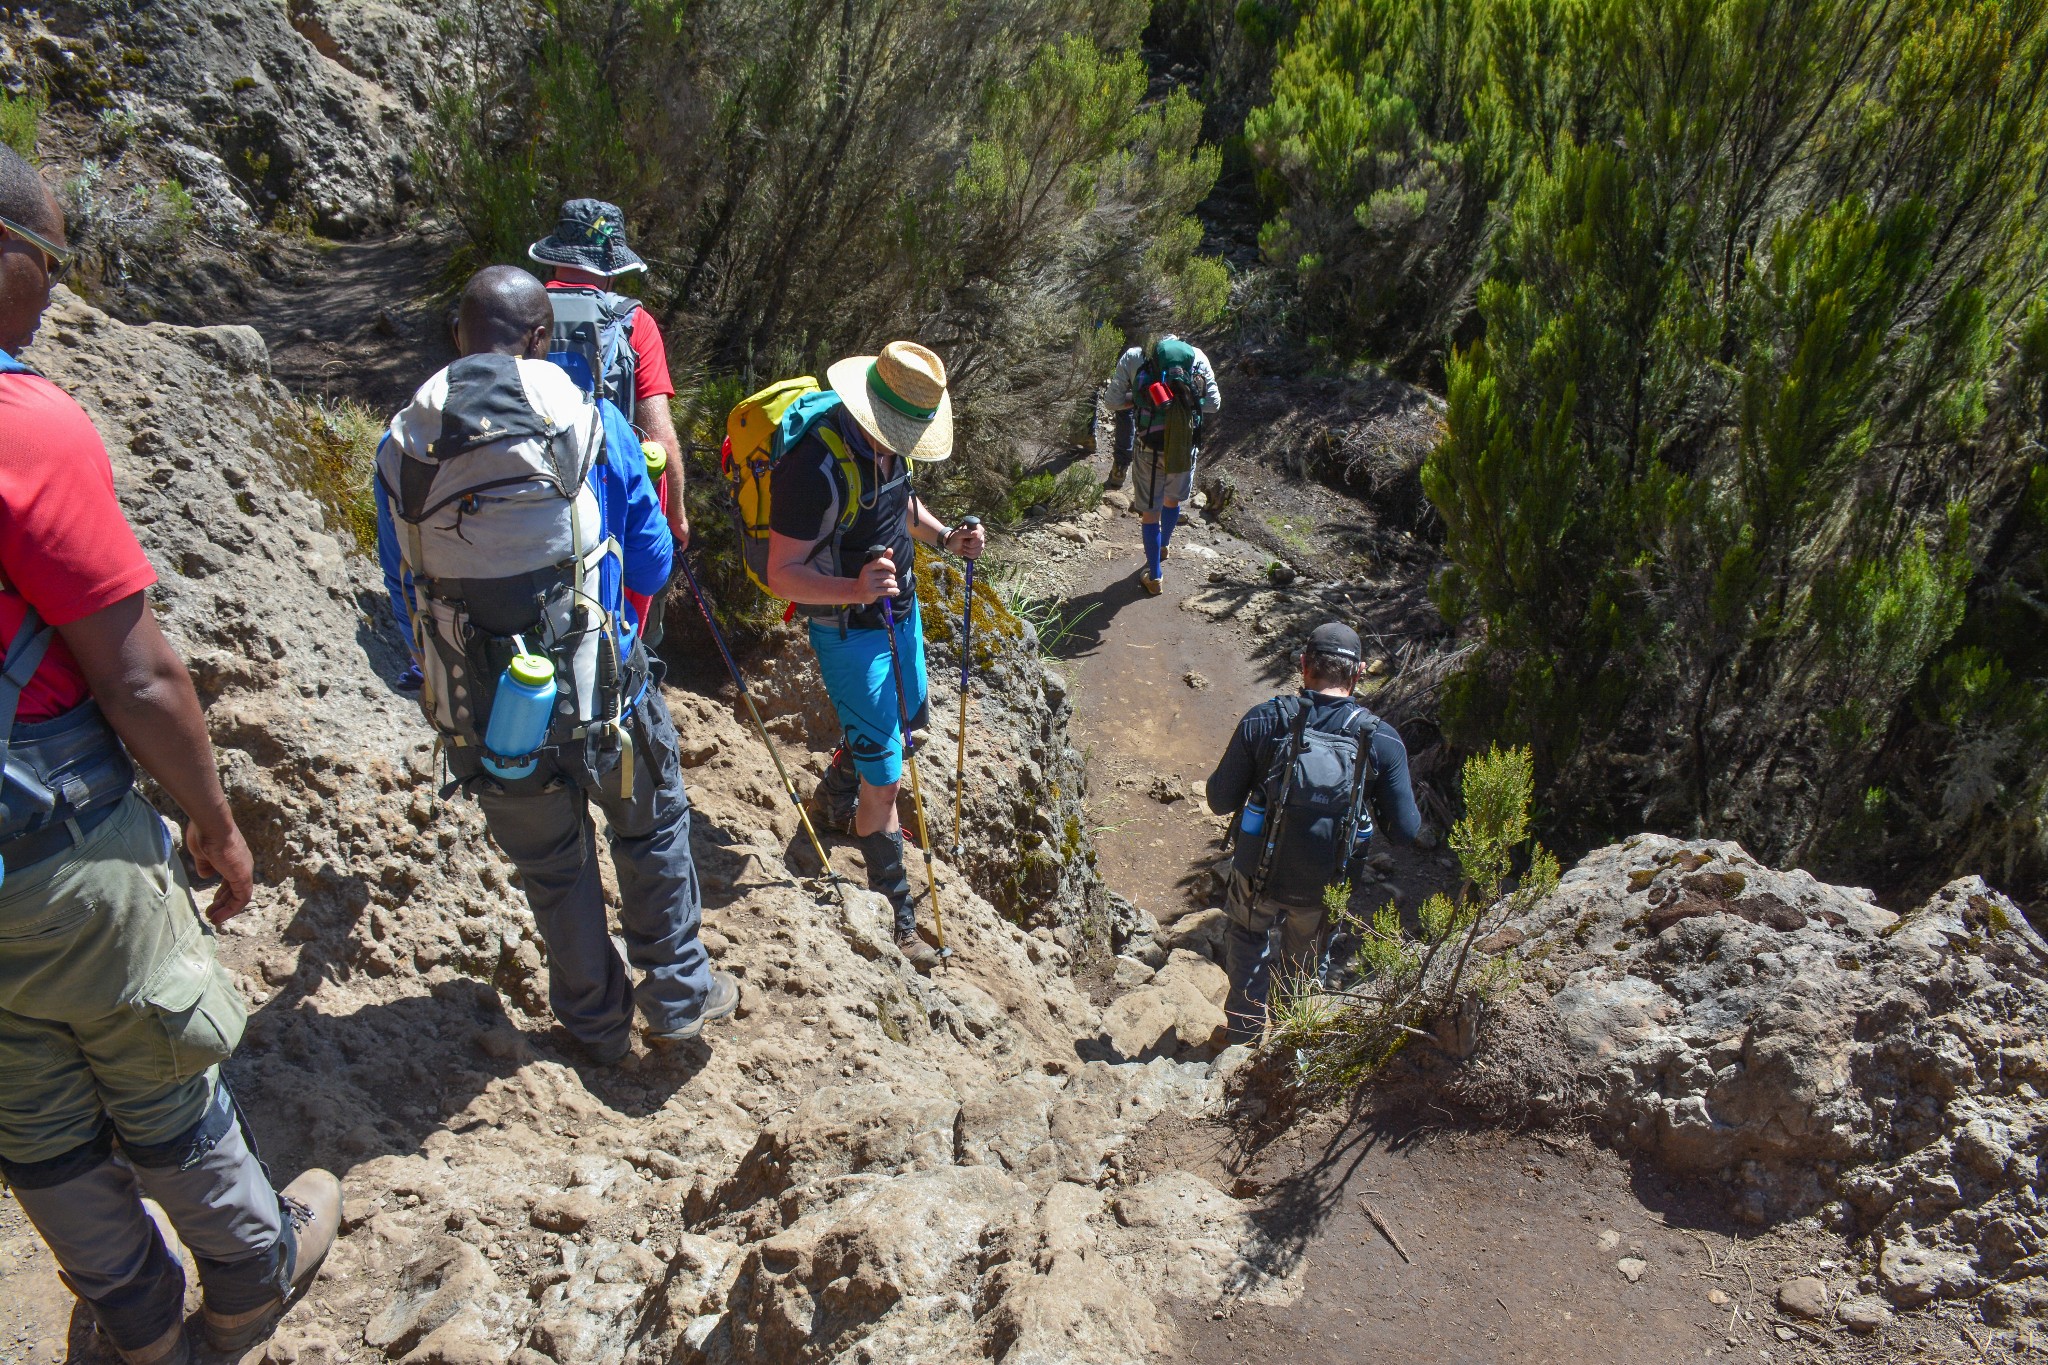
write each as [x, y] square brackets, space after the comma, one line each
[532, 670]
[656, 457]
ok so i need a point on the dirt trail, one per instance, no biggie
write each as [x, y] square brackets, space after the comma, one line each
[1517, 1242]
[1157, 692]
[356, 320]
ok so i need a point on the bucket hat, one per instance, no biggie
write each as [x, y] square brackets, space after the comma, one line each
[899, 398]
[589, 235]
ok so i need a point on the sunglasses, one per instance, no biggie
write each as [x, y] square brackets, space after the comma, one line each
[56, 260]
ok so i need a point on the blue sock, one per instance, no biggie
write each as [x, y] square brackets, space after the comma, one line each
[1152, 542]
[1169, 517]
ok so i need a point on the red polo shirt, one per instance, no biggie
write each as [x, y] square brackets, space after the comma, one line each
[65, 548]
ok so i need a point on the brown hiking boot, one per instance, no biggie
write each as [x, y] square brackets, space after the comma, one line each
[172, 1348]
[1151, 584]
[313, 1203]
[922, 955]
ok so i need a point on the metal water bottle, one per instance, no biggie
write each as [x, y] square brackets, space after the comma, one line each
[520, 715]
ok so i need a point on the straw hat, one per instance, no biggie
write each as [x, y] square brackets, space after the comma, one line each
[899, 398]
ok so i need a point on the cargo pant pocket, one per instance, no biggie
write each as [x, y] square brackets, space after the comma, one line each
[197, 1014]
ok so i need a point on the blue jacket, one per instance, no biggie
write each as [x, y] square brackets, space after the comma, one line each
[632, 515]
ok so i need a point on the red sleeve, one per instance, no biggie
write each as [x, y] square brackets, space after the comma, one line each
[64, 544]
[650, 352]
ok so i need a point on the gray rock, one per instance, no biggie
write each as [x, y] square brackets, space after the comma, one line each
[1632, 1268]
[1200, 933]
[1865, 1313]
[568, 1212]
[1130, 972]
[1804, 1296]
[1720, 1015]
[437, 1284]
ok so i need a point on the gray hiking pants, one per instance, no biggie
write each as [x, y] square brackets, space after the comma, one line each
[552, 840]
[1249, 956]
[114, 1017]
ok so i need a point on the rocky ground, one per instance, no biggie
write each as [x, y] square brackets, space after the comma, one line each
[867, 1165]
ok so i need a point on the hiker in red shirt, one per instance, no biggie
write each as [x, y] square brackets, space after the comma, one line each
[612, 346]
[588, 252]
[114, 1013]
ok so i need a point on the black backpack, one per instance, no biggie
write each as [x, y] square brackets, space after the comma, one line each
[1315, 790]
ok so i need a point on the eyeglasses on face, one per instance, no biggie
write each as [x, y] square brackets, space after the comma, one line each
[56, 260]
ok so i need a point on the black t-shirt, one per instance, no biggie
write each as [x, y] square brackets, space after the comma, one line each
[808, 495]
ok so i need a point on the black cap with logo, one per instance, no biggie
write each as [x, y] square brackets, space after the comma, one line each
[1334, 637]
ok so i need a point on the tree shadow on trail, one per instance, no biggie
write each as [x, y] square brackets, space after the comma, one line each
[1292, 1212]
[1085, 619]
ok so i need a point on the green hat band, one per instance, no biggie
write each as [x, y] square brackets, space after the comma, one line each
[894, 400]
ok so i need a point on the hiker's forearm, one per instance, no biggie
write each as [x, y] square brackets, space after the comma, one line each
[808, 587]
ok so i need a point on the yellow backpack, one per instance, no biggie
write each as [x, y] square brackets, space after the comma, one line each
[759, 431]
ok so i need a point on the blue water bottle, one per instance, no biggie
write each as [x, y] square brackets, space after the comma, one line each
[520, 715]
[1254, 818]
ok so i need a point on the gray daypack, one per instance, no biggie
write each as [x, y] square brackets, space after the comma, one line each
[1315, 790]
[487, 472]
[592, 340]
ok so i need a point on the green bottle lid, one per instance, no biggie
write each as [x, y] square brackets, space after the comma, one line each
[532, 670]
[656, 457]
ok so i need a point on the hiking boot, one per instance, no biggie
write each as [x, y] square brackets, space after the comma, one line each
[719, 1004]
[604, 1054]
[834, 800]
[313, 1203]
[172, 1348]
[1151, 584]
[1118, 472]
[922, 955]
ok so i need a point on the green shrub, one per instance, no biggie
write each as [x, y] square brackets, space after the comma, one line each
[991, 177]
[1739, 425]
[1419, 985]
[329, 449]
[21, 118]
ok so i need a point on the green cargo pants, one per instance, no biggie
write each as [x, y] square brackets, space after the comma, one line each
[112, 1004]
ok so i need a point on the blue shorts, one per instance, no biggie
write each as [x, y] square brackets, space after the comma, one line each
[857, 678]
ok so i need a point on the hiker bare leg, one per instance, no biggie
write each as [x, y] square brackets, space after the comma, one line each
[877, 813]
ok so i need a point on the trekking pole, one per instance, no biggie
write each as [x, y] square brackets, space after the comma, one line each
[924, 832]
[966, 667]
[746, 695]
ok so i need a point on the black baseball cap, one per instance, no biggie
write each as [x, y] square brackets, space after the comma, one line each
[1334, 637]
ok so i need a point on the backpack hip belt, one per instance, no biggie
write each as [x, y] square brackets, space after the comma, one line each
[63, 776]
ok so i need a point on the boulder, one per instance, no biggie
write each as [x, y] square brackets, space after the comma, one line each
[1728, 1017]
[1200, 933]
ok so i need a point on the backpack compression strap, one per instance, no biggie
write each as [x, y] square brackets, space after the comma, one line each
[1361, 776]
[1277, 810]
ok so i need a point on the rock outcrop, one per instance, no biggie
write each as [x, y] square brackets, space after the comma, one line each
[311, 106]
[1814, 1049]
[865, 1164]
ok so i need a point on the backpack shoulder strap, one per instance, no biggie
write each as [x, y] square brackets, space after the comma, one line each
[9, 365]
[24, 655]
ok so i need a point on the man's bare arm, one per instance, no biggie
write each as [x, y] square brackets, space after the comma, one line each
[145, 693]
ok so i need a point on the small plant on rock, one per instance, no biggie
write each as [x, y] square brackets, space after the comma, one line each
[1419, 981]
